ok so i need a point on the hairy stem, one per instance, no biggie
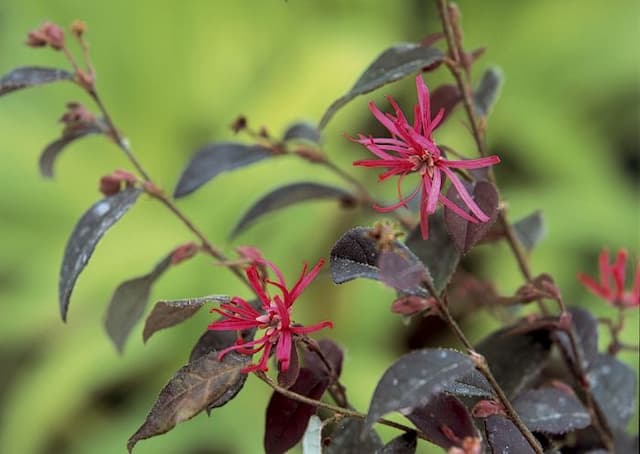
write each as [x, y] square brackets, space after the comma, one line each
[335, 409]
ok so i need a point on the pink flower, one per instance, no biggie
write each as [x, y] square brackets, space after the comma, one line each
[614, 292]
[275, 317]
[411, 149]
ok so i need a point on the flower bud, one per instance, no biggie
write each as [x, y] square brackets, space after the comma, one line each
[78, 28]
[47, 34]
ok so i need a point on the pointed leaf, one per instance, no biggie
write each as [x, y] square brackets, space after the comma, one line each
[288, 377]
[401, 271]
[53, 150]
[402, 444]
[166, 314]
[344, 437]
[312, 439]
[86, 234]
[198, 385]
[287, 195]
[464, 233]
[471, 385]
[331, 352]
[214, 159]
[302, 131]
[443, 410]
[287, 419]
[415, 378]
[393, 64]
[129, 302]
[355, 255]
[551, 410]
[613, 385]
[488, 89]
[530, 230]
[504, 437]
[585, 327]
[31, 76]
[516, 360]
[438, 253]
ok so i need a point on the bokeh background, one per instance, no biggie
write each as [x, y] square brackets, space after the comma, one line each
[174, 75]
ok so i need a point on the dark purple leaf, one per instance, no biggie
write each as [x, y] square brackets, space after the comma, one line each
[472, 385]
[585, 327]
[302, 131]
[214, 159]
[393, 64]
[415, 378]
[551, 410]
[287, 378]
[504, 437]
[516, 360]
[331, 352]
[287, 419]
[344, 437]
[445, 97]
[31, 76]
[355, 255]
[403, 444]
[400, 271]
[166, 314]
[287, 195]
[129, 302]
[201, 384]
[613, 385]
[530, 230]
[464, 233]
[438, 253]
[86, 234]
[312, 439]
[53, 150]
[488, 89]
[443, 410]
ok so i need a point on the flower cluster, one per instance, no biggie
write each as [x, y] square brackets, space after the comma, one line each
[411, 149]
[612, 281]
[274, 316]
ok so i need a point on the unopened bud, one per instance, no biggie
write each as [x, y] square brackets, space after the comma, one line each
[78, 28]
[47, 34]
[112, 184]
[183, 252]
[239, 124]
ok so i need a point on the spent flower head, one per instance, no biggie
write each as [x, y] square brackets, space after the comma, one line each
[47, 34]
[412, 149]
[611, 285]
[274, 317]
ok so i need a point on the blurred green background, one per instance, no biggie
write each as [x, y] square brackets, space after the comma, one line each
[174, 75]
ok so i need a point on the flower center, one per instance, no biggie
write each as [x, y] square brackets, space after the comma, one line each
[423, 163]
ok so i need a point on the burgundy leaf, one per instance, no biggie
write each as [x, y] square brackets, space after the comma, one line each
[415, 378]
[464, 233]
[286, 418]
[331, 352]
[393, 64]
[287, 378]
[166, 314]
[585, 327]
[402, 444]
[129, 302]
[86, 234]
[201, 384]
[302, 131]
[32, 76]
[487, 91]
[53, 150]
[287, 195]
[443, 410]
[551, 410]
[211, 160]
[445, 97]
[401, 271]
[504, 437]
[437, 253]
[344, 437]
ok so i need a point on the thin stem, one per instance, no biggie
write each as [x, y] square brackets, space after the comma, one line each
[338, 410]
[483, 367]
[123, 144]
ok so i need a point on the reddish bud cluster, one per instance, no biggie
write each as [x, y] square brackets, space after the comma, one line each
[112, 184]
[48, 34]
[184, 252]
[77, 117]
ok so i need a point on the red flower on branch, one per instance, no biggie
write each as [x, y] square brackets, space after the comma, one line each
[612, 280]
[275, 317]
[411, 149]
